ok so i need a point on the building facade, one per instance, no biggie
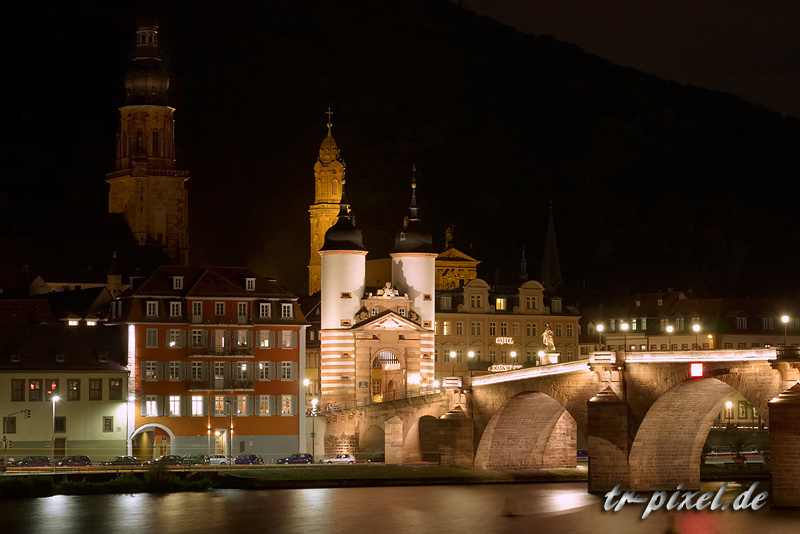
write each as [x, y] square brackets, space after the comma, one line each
[146, 187]
[216, 357]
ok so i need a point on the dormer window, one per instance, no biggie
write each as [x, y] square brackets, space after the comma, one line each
[263, 310]
[152, 308]
[639, 303]
[500, 303]
[250, 284]
[73, 322]
[446, 303]
[174, 309]
[660, 302]
[60, 358]
[91, 322]
[374, 312]
[177, 282]
[286, 310]
[401, 312]
[556, 305]
[475, 301]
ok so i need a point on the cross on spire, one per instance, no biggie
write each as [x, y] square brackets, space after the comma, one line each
[329, 113]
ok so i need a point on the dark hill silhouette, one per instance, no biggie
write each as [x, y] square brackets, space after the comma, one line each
[653, 184]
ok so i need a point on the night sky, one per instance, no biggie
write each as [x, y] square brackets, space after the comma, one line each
[654, 183]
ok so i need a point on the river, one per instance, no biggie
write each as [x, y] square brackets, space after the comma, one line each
[540, 508]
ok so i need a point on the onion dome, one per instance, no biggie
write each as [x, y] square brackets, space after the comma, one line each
[413, 238]
[328, 151]
[343, 235]
[147, 80]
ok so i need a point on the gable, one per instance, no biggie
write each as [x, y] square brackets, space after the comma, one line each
[453, 254]
[389, 320]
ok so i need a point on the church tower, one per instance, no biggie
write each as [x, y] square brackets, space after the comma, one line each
[328, 181]
[146, 187]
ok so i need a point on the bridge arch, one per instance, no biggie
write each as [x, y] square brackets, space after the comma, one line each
[530, 431]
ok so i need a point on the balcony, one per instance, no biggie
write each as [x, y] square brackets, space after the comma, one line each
[213, 384]
[221, 319]
[787, 352]
[243, 350]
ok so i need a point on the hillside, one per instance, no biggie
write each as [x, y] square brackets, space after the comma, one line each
[653, 184]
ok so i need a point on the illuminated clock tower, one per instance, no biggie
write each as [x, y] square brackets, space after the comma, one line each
[328, 179]
[146, 187]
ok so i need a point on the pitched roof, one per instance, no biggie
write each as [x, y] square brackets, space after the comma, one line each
[26, 311]
[200, 282]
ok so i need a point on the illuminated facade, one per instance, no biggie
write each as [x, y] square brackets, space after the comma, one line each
[146, 188]
[501, 327]
[328, 179]
[216, 357]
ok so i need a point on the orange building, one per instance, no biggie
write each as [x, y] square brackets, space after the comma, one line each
[215, 358]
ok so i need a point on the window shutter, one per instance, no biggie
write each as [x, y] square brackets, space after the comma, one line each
[204, 371]
[183, 338]
[227, 375]
[259, 337]
[271, 338]
[271, 375]
[204, 338]
[227, 339]
[293, 339]
[205, 405]
[160, 405]
[166, 337]
[143, 405]
[186, 405]
[250, 405]
[249, 337]
[294, 404]
[250, 371]
[212, 406]
[159, 371]
[228, 404]
[271, 404]
[182, 370]
[144, 372]
[294, 371]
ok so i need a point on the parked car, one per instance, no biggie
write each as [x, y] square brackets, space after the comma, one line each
[219, 459]
[583, 455]
[298, 458]
[379, 459]
[248, 459]
[195, 459]
[169, 459]
[74, 461]
[343, 458]
[123, 460]
[32, 461]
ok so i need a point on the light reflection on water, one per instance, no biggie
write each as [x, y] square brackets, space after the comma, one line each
[543, 508]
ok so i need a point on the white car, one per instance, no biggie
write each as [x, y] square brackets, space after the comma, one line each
[340, 459]
[219, 459]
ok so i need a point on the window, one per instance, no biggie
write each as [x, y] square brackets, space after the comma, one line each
[286, 339]
[436, 355]
[500, 303]
[240, 371]
[150, 371]
[174, 309]
[374, 312]
[558, 330]
[660, 302]
[459, 328]
[376, 387]
[59, 425]
[728, 345]
[174, 370]
[219, 308]
[493, 356]
[250, 284]
[152, 338]
[427, 297]
[663, 347]
[492, 329]
[503, 356]
[446, 328]
[695, 320]
[95, 389]
[475, 301]
[197, 309]
[286, 370]
[114, 389]
[754, 345]
[263, 371]
[286, 310]
[174, 338]
[530, 329]
[766, 323]
[242, 338]
[241, 404]
[742, 345]
[152, 308]
[644, 324]
[446, 303]
[569, 330]
[530, 303]
[503, 329]
[219, 405]
[286, 405]
[241, 309]
[197, 405]
[264, 310]
[741, 323]
[345, 295]
[638, 303]
[634, 323]
[460, 356]
[197, 371]
[684, 346]
[108, 424]
[446, 356]
[264, 339]
[151, 406]
[17, 389]
[197, 338]
[35, 393]
[177, 282]
[263, 405]
[475, 328]
[612, 324]
[679, 323]
[515, 329]
[174, 406]
[556, 305]
[401, 312]
[478, 356]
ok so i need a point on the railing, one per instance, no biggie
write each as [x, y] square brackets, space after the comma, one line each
[385, 397]
[787, 351]
[211, 385]
[243, 350]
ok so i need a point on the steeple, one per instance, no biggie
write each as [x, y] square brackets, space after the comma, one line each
[523, 267]
[551, 269]
[147, 80]
[413, 238]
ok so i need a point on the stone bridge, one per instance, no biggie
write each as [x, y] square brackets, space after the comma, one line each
[645, 417]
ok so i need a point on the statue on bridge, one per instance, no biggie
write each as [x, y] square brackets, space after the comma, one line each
[547, 338]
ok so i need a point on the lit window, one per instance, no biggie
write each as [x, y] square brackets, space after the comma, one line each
[241, 405]
[219, 405]
[197, 405]
[151, 407]
[263, 405]
[286, 405]
[286, 339]
[73, 322]
[634, 322]
[174, 370]
[264, 339]
[174, 405]
[500, 304]
[150, 372]
[446, 328]
[91, 323]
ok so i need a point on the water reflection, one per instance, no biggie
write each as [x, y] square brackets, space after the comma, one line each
[442, 509]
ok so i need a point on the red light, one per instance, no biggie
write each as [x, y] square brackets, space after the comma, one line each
[32, 386]
[696, 370]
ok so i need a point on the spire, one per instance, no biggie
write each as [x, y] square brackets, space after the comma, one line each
[344, 207]
[328, 151]
[329, 113]
[413, 210]
[147, 80]
[523, 267]
[413, 238]
[551, 270]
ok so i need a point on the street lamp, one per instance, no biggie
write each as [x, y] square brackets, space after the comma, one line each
[624, 327]
[696, 328]
[669, 331]
[471, 354]
[728, 406]
[785, 321]
[313, 421]
[230, 430]
[600, 328]
[55, 400]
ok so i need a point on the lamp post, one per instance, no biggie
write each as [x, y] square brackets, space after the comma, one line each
[230, 431]
[55, 400]
[785, 321]
[624, 327]
[313, 426]
[728, 408]
[306, 382]
[600, 328]
[669, 331]
[452, 361]
[696, 328]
